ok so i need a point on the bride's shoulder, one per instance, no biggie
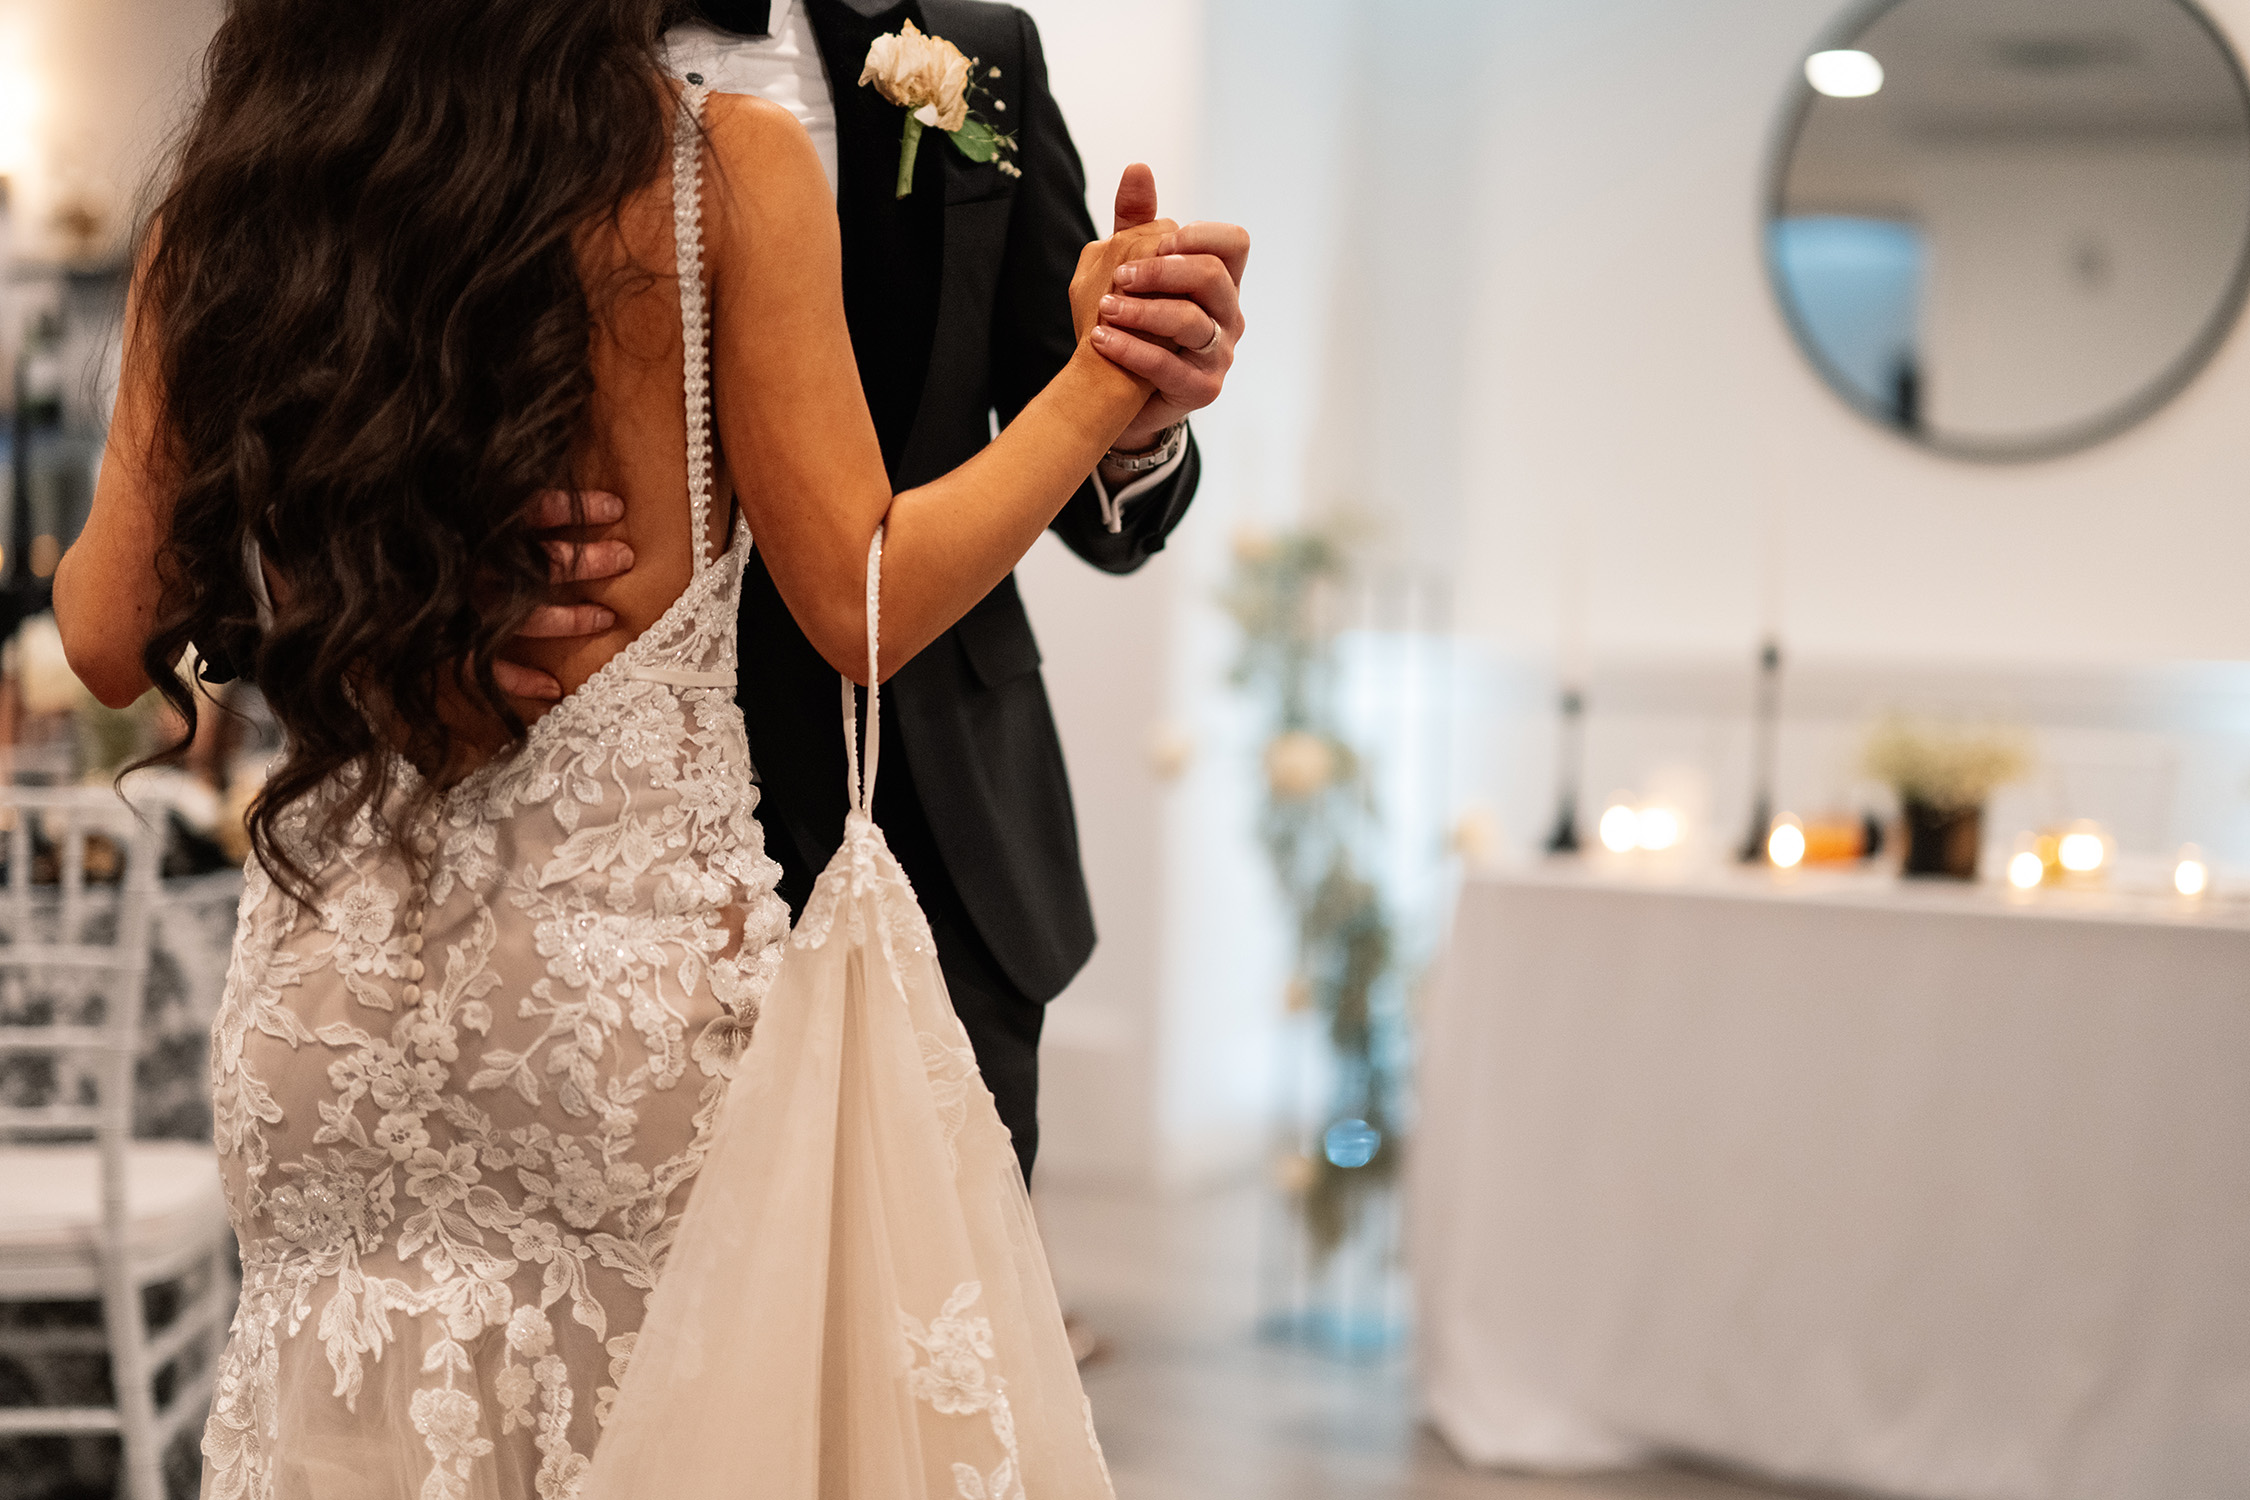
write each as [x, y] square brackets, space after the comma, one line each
[770, 190]
[744, 128]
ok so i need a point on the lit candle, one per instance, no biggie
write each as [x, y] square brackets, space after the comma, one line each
[2083, 850]
[1785, 846]
[1620, 827]
[2027, 867]
[2191, 877]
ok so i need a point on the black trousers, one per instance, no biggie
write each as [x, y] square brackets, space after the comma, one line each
[1002, 1022]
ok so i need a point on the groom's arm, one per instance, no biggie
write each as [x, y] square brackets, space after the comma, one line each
[1032, 336]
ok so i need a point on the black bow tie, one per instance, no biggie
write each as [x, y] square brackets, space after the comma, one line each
[742, 17]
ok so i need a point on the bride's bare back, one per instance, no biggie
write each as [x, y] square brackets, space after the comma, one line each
[635, 444]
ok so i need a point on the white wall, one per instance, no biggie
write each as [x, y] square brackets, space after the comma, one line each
[1130, 93]
[1635, 373]
[1159, 1057]
[1634, 386]
[1510, 300]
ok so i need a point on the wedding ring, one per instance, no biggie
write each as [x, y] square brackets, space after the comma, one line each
[1216, 333]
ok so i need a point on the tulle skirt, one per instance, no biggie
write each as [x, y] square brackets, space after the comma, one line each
[857, 1306]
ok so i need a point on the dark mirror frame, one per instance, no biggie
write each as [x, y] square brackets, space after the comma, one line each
[2131, 412]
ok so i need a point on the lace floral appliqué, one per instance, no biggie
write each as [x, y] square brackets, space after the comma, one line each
[946, 1368]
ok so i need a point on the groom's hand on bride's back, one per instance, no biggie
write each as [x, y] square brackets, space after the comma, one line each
[574, 558]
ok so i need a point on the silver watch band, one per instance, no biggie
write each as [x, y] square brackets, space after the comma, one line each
[1167, 448]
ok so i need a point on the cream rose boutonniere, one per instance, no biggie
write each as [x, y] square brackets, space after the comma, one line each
[929, 78]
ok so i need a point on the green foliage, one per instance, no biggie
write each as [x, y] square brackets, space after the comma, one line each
[1280, 583]
[1947, 767]
[1319, 810]
[978, 141]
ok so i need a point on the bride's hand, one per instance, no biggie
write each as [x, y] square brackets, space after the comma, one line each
[1097, 267]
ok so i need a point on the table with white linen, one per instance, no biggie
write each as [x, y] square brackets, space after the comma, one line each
[1934, 1191]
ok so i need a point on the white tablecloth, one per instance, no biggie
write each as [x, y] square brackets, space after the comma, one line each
[1907, 1188]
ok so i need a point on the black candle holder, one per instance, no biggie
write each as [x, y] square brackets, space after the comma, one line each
[1765, 735]
[1569, 759]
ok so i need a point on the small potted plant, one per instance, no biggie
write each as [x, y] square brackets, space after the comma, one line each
[1943, 775]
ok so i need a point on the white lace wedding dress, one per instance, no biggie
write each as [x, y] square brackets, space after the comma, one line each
[857, 1306]
[460, 1116]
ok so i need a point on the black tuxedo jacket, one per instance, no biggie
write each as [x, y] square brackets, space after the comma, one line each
[957, 296]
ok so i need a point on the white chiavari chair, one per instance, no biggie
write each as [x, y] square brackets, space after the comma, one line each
[87, 1213]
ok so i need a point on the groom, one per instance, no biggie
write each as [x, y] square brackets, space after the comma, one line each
[957, 297]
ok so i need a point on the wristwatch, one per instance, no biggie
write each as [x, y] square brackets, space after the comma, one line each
[1168, 447]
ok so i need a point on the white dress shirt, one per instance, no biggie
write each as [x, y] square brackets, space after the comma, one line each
[786, 68]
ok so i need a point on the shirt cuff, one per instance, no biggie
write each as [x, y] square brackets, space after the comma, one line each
[1113, 506]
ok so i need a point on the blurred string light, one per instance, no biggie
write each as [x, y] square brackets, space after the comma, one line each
[1845, 73]
[2026, 870]
[1785, 846]
[1659, 828]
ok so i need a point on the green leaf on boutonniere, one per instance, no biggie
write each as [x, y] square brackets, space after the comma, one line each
[977, 140]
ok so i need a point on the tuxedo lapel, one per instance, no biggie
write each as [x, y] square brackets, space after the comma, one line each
[844, 29]
[894, 248]
[920, 272]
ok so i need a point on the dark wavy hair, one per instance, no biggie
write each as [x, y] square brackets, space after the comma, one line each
[363, 297]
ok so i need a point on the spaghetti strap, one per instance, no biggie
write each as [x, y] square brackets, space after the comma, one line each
[695, 313]
[862, 792]
[691, 612]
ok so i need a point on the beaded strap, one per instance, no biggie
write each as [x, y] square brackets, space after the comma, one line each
[862, 792]
[695, 313]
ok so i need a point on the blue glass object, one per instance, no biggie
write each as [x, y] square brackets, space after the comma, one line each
[1854, 287]
[1351, 1143]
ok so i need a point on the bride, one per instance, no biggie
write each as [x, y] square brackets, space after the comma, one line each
[423, 270]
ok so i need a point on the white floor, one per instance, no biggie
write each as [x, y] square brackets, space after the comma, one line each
[1193, 1406]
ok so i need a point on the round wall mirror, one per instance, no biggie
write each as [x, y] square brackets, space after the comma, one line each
[2011, 228]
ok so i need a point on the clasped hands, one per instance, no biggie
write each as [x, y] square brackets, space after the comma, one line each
[1172, 312]
[1169, 312]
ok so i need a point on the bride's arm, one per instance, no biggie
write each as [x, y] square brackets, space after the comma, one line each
[797, 433]
[107, 589]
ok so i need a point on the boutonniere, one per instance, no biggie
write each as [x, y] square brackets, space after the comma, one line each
[938, 88]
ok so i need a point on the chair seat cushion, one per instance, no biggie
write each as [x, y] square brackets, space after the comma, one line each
[51, 1201]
